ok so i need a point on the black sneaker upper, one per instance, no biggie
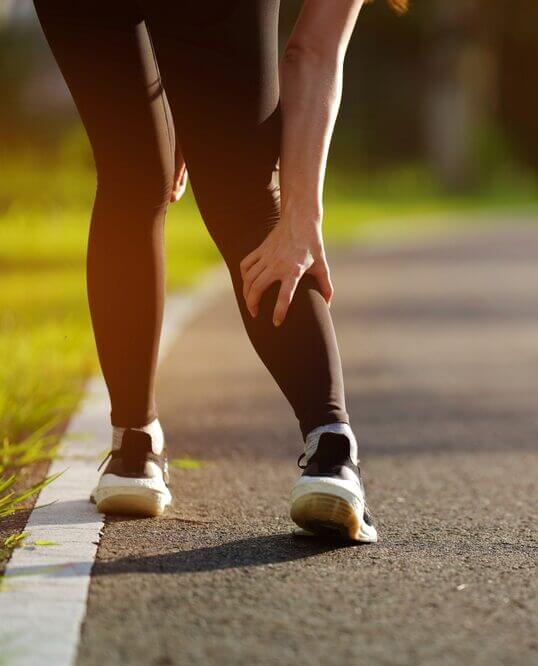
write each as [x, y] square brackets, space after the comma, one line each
[134, 455]
[333, 459]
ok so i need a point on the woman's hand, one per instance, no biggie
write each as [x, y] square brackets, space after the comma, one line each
[289, 251]
[310, 76]
[180, 177]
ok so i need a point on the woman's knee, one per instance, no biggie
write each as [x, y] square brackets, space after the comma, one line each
[139, 181]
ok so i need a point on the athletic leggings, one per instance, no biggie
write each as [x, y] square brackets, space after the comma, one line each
[218, 62]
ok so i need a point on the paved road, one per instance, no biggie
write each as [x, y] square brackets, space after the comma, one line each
[440, 346]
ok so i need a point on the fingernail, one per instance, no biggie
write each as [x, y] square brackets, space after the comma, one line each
[276, 322]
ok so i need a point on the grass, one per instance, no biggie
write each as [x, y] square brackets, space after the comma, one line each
[40, 445]
[13, 541]
[408, 202]
[46, 343]
[12, 501]
[187, 463]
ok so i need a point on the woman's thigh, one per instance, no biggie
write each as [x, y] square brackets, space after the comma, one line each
[106, 58]
[219, 64]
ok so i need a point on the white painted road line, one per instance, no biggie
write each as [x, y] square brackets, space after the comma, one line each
[44, 594]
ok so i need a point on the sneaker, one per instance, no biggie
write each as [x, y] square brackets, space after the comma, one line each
[135, 479]
[328, 499]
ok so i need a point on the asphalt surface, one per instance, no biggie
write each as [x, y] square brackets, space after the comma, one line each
[440, 348]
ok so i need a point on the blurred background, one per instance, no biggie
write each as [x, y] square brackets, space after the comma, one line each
[439, 116]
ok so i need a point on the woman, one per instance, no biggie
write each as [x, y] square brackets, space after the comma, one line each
[169, 86]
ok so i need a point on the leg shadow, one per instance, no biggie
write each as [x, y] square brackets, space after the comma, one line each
[250, 552]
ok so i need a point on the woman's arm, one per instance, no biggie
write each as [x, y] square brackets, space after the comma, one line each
[310, 90]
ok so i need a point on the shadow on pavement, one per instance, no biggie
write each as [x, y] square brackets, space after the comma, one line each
[250, 552]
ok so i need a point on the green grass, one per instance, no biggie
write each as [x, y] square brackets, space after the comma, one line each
[187, 463]
[407, 201]
[12, 501]
[40, 445]
[46, 343]
[13, 541]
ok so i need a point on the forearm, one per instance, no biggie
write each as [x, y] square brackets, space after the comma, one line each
[311, 73]
[310, 91]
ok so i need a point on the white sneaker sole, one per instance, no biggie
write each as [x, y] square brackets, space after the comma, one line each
[117, 495]
[330, 507]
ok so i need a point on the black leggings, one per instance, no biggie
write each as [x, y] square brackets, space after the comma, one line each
[218, 61]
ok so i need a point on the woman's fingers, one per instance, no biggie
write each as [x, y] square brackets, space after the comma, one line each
[260, 284]
[180, 185]
[249, 261]
[285, 297]
[251, 275]
[180, 176]
[321, 272]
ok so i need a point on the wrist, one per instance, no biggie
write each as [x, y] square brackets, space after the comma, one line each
[301, 212]
[302, 227]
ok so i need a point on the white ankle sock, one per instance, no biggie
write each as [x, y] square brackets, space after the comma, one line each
[313, 436]
[154, 429]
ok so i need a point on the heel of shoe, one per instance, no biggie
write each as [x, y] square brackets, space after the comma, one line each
[326, 515]
[142, 502]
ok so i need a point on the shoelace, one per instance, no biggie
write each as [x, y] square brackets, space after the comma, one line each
[105, 460]
[309, 450]
[111, 453]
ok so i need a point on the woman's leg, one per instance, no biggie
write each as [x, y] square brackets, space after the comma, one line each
[219, 64]
[106, 58]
